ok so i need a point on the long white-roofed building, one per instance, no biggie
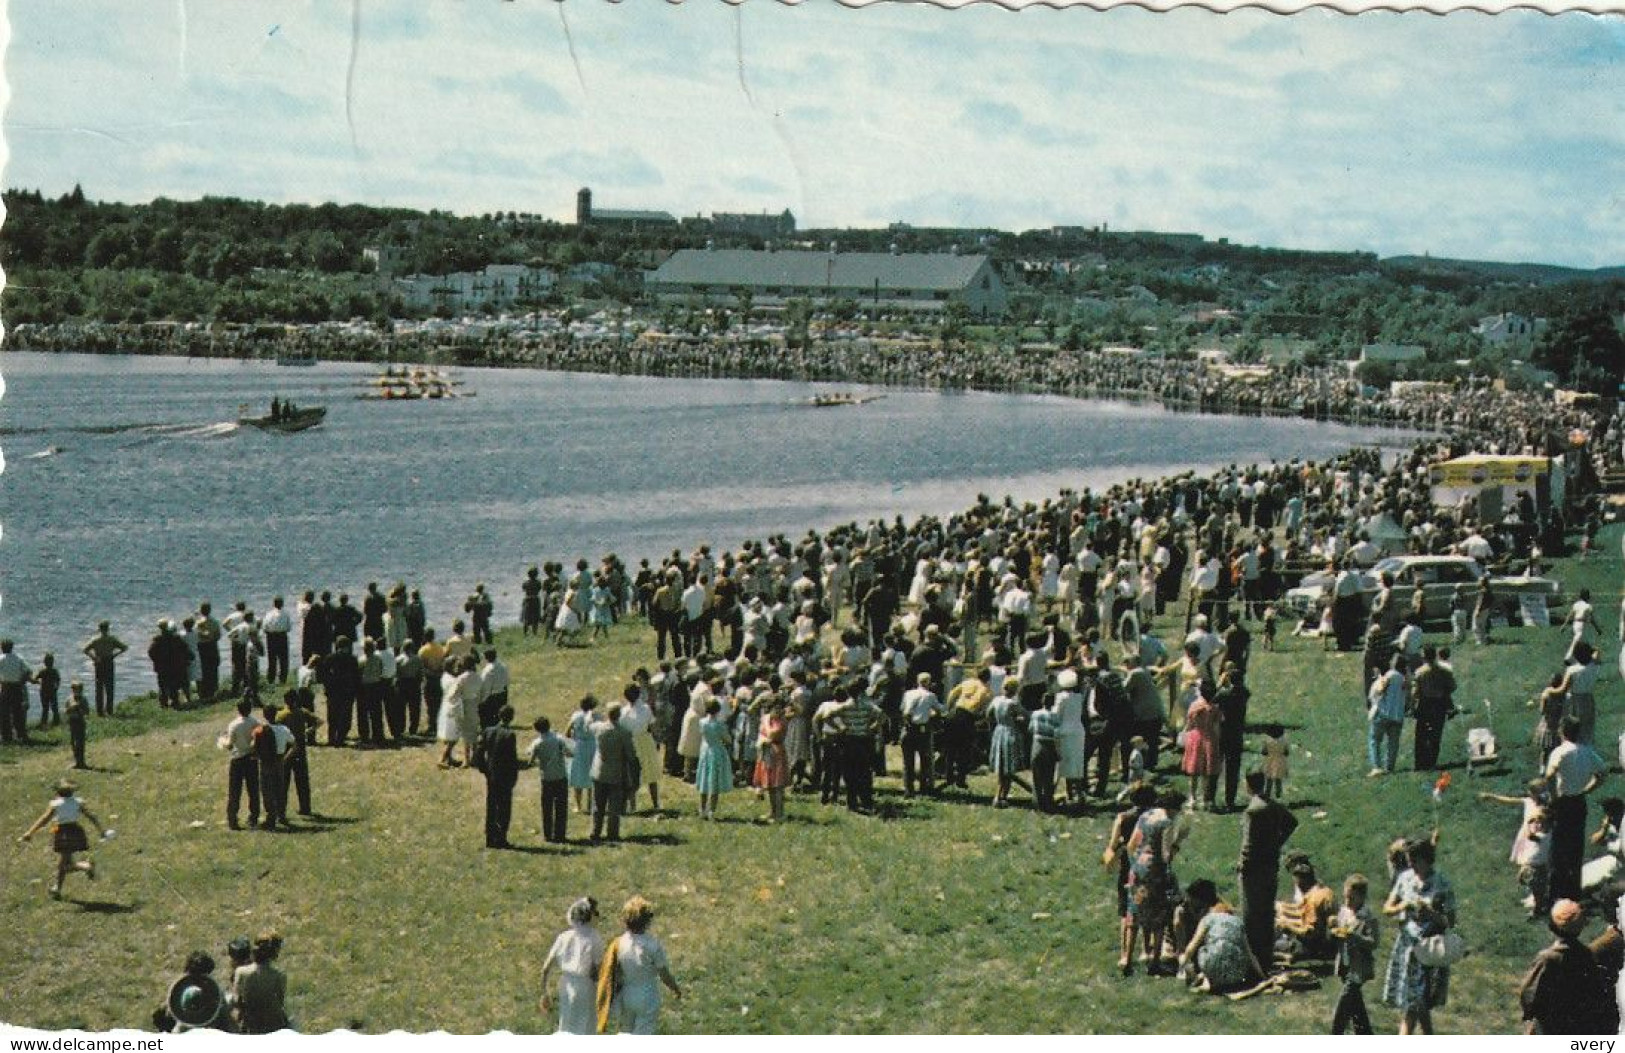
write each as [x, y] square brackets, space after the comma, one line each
[907, 282]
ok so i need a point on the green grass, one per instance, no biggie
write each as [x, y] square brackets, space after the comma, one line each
[921, 922]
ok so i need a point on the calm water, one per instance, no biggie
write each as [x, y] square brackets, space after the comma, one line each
[180, 505]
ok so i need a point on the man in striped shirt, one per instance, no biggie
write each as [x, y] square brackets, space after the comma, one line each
[857, 723]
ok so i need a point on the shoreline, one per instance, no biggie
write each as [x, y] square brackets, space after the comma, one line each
[1178, 385]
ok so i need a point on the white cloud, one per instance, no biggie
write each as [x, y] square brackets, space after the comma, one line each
[1465, 136]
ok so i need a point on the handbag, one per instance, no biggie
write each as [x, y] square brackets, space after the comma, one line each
[1441, 951]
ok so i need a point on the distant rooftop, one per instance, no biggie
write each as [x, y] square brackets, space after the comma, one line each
[803, 269]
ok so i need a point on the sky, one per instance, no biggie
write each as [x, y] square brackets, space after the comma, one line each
[1486, 137]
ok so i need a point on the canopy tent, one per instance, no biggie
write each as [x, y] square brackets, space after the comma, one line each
[1497, 480]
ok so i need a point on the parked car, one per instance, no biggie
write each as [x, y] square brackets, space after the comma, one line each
[1438, 577]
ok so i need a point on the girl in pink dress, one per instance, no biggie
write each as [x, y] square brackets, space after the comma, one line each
[772, 763]
[1201, 732]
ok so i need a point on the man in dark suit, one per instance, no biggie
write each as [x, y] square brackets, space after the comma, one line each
[614, 770]
[340, 675]
[345, 620]
[1265, 827]
[497, 756]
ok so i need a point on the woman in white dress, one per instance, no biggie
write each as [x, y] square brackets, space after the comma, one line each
[454, 701]
[577, 954]
[1066, 589]
[1049, 581]
[1070, 735]
[641, 963]
[568, 623]
[636, 716]
[922, 581]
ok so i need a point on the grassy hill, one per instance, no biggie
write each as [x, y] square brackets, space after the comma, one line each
[939, 916]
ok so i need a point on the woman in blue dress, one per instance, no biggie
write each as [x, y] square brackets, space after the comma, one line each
[713, 775]
[1005, 753]
[1423, 897]
[586, 746]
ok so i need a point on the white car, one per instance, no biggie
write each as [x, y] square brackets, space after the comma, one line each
[1438, 576]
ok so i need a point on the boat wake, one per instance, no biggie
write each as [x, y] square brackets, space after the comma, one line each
[159, 428]
[150, 433]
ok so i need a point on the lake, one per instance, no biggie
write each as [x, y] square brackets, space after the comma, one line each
[130, 493]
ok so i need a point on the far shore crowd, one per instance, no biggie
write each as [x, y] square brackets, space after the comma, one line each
[1091, 650]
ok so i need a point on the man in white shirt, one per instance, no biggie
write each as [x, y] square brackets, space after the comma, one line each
[493, 688]
[273, 757]
[242, 770]
[276, 625]
[1017, 605]
[1204, 585]
[246, 649]
[694, 599]
[1477, 547]
[1032, 672]
[920, 707]
[1364, 554]
[1409, 643]
[1575, 770]
[1582, 618]
[1207, 642]
[14, 678]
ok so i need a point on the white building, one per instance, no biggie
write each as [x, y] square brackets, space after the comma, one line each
[498, 285]
[1499, 330]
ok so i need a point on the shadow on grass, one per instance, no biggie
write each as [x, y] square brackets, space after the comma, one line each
[102, 906]
[544, 850]
[318, 817]
[1307, 802]
[651, 839]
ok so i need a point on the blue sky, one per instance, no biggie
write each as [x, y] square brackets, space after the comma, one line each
[1489, 137]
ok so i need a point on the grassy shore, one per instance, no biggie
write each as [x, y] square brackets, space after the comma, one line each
[938, 916]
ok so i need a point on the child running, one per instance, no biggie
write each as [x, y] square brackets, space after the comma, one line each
[67, 836]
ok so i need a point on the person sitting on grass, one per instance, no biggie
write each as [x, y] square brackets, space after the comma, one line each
[1303, 923]
[1217, 958]
[260, 990]
[67, 836]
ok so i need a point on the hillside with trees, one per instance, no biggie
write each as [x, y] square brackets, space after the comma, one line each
[70, 259]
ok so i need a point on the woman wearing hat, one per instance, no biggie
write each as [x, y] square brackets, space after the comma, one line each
[1070, 734]
[67, 836]
[577, 954]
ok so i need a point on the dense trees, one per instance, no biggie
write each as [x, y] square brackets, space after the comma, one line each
[226, 259]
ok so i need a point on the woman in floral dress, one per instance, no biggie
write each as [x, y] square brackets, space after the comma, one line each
[1427, 903]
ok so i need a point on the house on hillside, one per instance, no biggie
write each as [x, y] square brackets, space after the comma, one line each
[904, 282]
[1499, 330]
